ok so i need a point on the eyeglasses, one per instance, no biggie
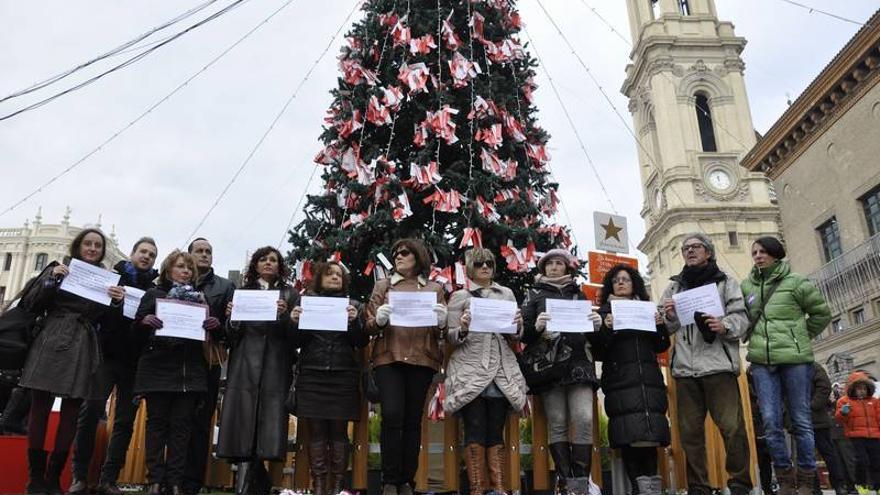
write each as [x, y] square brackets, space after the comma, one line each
[403, 253]
[487, 263]
[621, 280]
[692, 247]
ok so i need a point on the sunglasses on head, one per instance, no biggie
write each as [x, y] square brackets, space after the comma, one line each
[402, 252]
[487, 263]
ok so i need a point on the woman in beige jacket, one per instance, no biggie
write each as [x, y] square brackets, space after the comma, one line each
[483, 380]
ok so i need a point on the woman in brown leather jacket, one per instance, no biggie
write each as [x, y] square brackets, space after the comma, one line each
[405, 360]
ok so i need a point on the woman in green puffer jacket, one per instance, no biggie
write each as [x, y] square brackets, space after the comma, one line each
[781, 354]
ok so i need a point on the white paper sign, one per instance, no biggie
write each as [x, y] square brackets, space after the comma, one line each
[569, 316]
[132, 301]
[324, 313]
[705, 299]
[412, 309]
[634, 315]
[255, 305]
[181, 319]
[89, 281]
[492, 315]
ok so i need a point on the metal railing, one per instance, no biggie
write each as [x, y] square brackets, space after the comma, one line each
[851, 278]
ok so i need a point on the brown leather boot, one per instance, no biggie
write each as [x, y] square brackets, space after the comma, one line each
[495, 455]
[318, 467]
[475, 460]
[786, 478]
[805, 480]
[338, 466]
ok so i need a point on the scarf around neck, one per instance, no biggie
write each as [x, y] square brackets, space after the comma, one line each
[184, 292]
[698, 276]
[556, 282]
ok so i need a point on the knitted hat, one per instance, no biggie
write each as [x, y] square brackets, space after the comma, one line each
[566, 256]
[703, 238]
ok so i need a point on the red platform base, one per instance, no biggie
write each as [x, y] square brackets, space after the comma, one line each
[13, 460]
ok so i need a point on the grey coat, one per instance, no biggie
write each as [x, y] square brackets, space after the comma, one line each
[480, 358]
[692, 357]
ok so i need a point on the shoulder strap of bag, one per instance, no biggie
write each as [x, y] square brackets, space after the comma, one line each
[754, 321]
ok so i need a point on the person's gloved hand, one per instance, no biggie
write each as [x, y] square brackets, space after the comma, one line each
[152, 322]
[211, 324]
[440, 311]
[383, 314]
[845, 409]
[703, 326]
[541, 321]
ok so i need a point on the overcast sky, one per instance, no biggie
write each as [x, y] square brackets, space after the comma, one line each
[162, 175]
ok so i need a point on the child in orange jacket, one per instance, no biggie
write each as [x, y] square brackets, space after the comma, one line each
[859, 413]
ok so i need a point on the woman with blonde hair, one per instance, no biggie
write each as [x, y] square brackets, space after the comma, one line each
[483, 379]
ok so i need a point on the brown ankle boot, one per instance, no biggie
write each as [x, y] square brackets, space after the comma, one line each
[318, 467]
[495, 455]
[475, 460]
[786, 478]
[338, 466]
[805, 480]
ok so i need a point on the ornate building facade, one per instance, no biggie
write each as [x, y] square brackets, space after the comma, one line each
[25, 251]
[822, 156]
[691, 114]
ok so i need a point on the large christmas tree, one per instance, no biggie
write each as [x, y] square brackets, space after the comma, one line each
[432, 134]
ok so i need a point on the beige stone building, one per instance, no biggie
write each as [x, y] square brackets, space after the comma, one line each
[691, 114]
[25, 251]
[823, 156]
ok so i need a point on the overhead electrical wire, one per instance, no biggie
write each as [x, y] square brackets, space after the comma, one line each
[124, 64]
[824, 12]
[123, 48]
[146, 112]
[269, 129]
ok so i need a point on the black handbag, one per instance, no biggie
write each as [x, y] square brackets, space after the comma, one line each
[543, 363]
[18, 328]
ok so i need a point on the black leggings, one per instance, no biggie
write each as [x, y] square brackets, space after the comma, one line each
[327, 430]
[639, 461]
[38, 421]
[484, 420]
[402, 391]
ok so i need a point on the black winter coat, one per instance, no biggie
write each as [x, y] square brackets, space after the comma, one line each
[253, 421]
[167, 364]
[635, 394]
[120, 343]
[579, 367]
[218, 294]
[65, 354]
[333, 351]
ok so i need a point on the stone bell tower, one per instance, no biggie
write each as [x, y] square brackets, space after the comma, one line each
[691, 115]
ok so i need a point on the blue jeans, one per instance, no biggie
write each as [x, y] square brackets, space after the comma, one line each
[794, 383]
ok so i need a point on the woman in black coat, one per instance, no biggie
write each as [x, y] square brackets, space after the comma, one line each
[635, 394]
[568, 397]
[171, 374]
[253, 421]
[64, 357]
[328, 386]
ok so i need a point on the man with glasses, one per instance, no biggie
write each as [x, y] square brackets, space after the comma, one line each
[706, 364]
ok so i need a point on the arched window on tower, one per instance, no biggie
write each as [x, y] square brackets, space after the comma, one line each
[42, 261]
[704, 120]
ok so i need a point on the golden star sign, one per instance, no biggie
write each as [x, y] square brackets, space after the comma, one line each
[611, 230]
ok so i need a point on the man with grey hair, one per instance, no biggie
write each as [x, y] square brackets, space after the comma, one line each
[705, 363]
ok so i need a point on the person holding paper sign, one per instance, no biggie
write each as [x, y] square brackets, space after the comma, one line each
[635, 393]
[405, 360]
[63, 358]
[328, 384]
[787, 311]
[483, 379]
[567, 387]
[705, 364]
[171, 374]
[120, 352]
[253, 420]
